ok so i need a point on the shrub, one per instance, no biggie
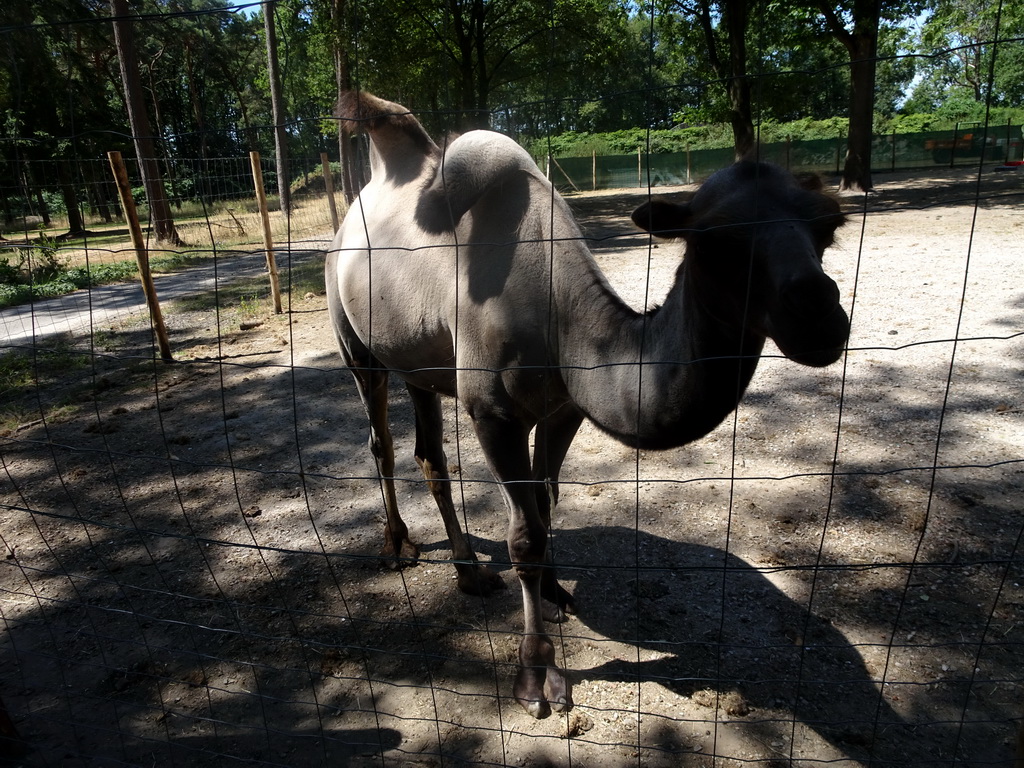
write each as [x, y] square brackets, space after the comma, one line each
[42, 274]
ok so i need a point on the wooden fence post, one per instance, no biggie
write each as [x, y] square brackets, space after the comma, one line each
[131, 216]
[268, 237]
[325, 164]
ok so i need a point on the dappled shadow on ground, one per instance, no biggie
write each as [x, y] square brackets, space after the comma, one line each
[190, 567]
[984, 187]
[191, 573]
[709, 626]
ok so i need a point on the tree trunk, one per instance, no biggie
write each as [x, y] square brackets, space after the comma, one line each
[734, 17]
[97, 191]
[857, 168]
[736, 14]
[343, 81]
[482, 118]
[862, 45]
[142, 134]
[76, 226]
[277, 108]
[28, 183]
[44, 210]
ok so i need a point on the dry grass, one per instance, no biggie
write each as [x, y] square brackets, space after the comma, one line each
[231, 225]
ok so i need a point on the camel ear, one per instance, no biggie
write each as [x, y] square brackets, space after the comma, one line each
[663, 219]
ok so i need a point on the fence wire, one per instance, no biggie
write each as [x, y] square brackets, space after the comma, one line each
[191, 572]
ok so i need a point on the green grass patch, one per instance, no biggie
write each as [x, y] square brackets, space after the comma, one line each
[307, 277]
[33, 382]
[24, 370]
[66, 281]
[179, 260]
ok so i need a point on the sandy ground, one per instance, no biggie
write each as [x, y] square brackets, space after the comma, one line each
[832, 577]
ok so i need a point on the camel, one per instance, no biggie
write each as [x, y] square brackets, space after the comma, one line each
[465, 274]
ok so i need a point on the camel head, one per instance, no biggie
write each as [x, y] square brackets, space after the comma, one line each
[755, 236]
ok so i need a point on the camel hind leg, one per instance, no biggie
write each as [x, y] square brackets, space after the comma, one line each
[372, 382]
[473, 578]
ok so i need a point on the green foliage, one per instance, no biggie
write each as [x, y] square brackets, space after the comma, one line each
[912, 123]
[586, 73]
[41, 262]
[964, 65]
[719, 136]
[959, 106]
[42, 274]
[805, 129]
[714, 136]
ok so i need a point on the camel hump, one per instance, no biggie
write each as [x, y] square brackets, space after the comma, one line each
[473, 164]
[397, 136]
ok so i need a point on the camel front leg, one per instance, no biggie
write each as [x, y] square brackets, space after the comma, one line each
[473, 578]
[540, 685]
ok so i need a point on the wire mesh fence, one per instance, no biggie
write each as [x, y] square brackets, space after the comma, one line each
[962, 146]
[191, 550]
[191, 569]
[212, 199]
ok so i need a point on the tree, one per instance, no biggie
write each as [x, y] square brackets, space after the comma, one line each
[965, 41]
[731, 69]
[857, 24]
[277, 105]
[142, 134]
[533, 61]
[860, 37]
[43, 57]
[343, 83]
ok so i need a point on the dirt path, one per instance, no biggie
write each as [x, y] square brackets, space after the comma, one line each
[85, 311]
[834, 576]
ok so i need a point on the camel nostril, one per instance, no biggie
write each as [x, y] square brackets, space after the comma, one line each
[811, 298]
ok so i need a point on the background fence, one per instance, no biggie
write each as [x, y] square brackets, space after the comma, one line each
[203, 192]
[930, 149]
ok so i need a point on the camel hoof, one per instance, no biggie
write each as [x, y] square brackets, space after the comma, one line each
[406, 555]
[561, 600]
[536, 709]
[541, 691]
[479, 580]
[552, 614]
[557, 690]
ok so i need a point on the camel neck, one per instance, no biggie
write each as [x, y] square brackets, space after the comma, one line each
[659, 379]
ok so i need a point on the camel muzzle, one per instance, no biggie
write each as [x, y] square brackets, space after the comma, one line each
[815, 342]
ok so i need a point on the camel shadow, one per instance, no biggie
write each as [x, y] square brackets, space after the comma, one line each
[726, 637]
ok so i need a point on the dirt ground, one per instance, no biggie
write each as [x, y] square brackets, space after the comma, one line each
[190, 571]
